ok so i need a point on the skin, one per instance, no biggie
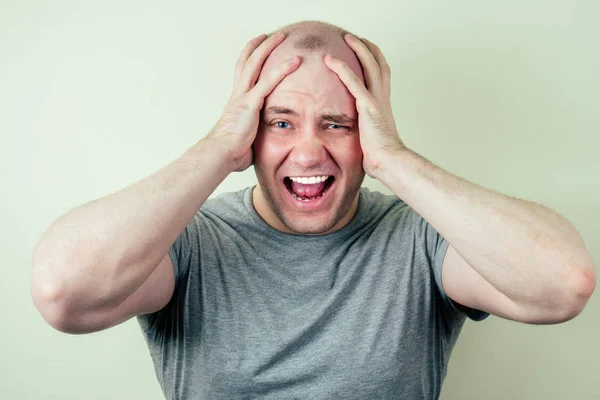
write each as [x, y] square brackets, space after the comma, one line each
[85, 280]
[507, 256]
[300, 141]
[510, 257]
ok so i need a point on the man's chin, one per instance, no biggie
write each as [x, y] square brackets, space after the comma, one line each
[287, 214]
[308, 227]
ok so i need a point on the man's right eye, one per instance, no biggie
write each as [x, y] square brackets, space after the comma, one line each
[282, 124]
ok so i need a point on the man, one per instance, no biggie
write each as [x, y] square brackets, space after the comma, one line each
[307, 286]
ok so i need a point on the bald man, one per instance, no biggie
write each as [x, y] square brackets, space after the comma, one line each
[307, 285]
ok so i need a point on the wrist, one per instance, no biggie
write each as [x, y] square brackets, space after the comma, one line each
[215, 152]
[387, 162]
[397, 167]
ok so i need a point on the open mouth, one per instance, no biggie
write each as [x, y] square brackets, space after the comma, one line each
[308, 188]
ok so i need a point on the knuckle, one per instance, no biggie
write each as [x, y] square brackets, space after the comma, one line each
[256, 41]
[258, 53]
[371, 106]
[250, 102]
[285, 66]
[244, 104]
[338, 63]
[275, 75]
[250, 61]
[240, 64]
[385, 67]
[276, 72]
[236, 107]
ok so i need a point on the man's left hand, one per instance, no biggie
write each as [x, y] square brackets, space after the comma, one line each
[376, 124]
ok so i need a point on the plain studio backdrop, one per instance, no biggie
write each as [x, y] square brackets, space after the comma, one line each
[95, 96]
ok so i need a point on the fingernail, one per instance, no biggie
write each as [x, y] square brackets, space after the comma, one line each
[328, 57]
[349, 35]
[280, 35]
[293, 60]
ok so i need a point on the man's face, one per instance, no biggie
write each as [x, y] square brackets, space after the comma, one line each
[307, 153]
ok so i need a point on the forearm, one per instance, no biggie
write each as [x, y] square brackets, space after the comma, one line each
[101, 252]
[520, 247]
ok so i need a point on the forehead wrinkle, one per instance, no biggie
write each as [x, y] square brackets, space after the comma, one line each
[310, 97]
[291, 94]
[333, 116]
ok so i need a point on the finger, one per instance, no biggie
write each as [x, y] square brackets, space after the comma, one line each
[245, 54]
[352, 82]
[368, 62]
[256, 60]
[386, 71]
[268, 82]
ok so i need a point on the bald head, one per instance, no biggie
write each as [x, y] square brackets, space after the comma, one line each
[312, 40]
[313, 35]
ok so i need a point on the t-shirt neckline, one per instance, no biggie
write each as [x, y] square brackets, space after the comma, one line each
[349, 227]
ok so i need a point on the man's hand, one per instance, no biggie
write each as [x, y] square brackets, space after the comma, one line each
[235, 131]
[378, 134]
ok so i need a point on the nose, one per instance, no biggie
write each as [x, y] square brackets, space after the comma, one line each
[309, 150]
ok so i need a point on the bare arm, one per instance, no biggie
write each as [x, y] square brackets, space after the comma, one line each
[96, 255]
[106, 261]
[507, 256]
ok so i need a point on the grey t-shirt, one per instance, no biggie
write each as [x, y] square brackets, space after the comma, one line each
[359, 313]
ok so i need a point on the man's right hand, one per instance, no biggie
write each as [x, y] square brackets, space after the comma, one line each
[235, 131]
[107, 260]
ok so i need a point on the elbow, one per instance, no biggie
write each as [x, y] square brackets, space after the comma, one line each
[58, 314]
[46, 289]
[580, 288]
[49, 301]
[68, 308]
[54, 304]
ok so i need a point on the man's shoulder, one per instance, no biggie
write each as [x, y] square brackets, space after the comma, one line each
[376, 203]
[228, 204]
[388, 210]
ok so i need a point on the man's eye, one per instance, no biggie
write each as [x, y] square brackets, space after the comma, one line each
[336, 126]
[282, 124]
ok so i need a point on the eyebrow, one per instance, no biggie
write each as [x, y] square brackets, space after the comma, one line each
[336, 118]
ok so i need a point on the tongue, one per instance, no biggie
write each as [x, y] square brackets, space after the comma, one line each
[308, 190]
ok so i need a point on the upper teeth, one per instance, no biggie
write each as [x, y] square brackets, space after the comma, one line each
[306, 180]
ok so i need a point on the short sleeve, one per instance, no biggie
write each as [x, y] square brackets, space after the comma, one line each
[437, 246]
[182, 255]
[184, 250]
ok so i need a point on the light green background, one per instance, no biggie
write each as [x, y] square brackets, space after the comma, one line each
[96, 95]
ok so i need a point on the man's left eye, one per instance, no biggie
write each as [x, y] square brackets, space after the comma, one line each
[336, 126]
